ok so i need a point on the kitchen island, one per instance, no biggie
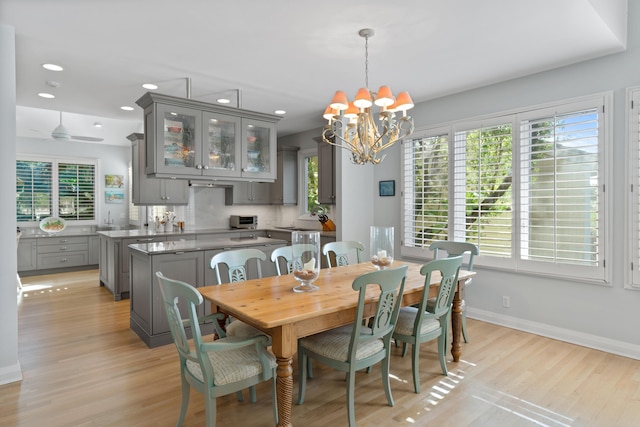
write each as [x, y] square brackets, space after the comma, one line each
[185, 260]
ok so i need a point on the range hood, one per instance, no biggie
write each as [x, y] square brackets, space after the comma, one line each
[209, 183]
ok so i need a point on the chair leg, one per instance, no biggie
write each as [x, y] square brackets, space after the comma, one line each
[386, 365]
[210, 409]
[404, 349]
[464, 327]
[239, 395]
[442, 351]
[415, 366]
[186, 389]
[351, 382]
[302, 383]
[274, 395]
[252, 394]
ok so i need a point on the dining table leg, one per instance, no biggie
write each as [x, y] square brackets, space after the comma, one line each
[456, 323]
[284, 390]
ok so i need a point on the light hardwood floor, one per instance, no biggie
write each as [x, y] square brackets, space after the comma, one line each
[83, 366]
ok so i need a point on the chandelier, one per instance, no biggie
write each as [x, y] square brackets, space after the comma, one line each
[352, 125]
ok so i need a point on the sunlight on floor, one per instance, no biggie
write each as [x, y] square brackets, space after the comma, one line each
[35, 290]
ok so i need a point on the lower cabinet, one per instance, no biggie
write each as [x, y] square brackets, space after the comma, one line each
[27, 255]
[38, 255]
[148, 318]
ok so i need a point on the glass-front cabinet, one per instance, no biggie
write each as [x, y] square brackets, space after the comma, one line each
[223, 149]
[192, 139]
[259, 150]
[178, 135]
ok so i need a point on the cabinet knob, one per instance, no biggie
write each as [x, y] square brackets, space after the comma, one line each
[167, 197]
[206, 167]
[198, 166]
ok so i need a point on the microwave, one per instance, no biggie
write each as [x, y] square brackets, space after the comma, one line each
[243, 221]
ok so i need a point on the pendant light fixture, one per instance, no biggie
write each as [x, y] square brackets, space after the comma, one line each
[352, 126]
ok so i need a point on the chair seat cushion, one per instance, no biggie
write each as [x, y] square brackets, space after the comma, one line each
[334, 344]
[407, 318]
[232, 365]
[240, 329]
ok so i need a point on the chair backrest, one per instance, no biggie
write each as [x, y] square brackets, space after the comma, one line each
[236, 262]
[390, 283]
[455, 249]
[449, 269]
[285, 253]
[174, 292]
[343, 252]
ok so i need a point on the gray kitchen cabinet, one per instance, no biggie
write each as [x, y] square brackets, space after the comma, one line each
[153, 191]
[62, 251]
[282, 235]
[326, 173]
[248, 193]
[190, 263]
[27, 259]
[284, 190]
[94, 250]
[185, 138]
[147, 316]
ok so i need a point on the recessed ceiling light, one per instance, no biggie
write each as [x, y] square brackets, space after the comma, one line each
[53, 83]
[52, 67]
[46, 95]
[280, 112]
[97, 125]
[150, 86]
[126, 108]
[223, 101]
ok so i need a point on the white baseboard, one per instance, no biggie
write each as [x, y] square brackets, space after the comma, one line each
[574, 337]
[10, 374]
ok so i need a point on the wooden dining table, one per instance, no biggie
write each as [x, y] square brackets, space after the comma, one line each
[271, 305]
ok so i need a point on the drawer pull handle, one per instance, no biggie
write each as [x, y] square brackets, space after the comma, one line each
[63, 248]
[64, 260]
[63, 240]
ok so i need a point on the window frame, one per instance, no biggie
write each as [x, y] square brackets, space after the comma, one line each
[55, 185]
[632, 219]
[599, 274]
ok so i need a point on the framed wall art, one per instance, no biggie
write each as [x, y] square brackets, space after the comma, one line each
[387, 188]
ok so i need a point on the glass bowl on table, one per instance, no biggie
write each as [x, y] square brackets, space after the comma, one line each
[305, 247]
[381, 246]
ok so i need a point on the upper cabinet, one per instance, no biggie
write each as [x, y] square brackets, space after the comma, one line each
[153, 191]
[192, 139]
[285, 190]
[326, 173]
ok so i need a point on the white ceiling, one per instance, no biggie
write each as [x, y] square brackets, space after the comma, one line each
[284, 54]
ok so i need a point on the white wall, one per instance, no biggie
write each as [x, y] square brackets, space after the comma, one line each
[604, 317]
[9, 364]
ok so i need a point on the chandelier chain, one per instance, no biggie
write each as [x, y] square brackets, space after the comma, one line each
[366, 62]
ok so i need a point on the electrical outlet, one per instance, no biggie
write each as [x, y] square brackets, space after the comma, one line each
[506, 302]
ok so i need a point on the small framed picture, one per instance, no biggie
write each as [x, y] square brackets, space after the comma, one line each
[387, 188]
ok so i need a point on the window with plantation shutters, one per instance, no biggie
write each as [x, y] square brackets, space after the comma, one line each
[526, 187]
[633, 152]
[33, 190]
[559, 191]
[76, 191]
[426, 190]
[55, 188]
[482, 187]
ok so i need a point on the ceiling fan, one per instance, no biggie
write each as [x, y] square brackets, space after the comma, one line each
[62, 134]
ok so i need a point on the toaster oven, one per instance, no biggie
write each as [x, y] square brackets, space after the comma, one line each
[243, 221]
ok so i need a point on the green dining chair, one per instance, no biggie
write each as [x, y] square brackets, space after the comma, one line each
[343, 252]
[231, 267]
[284, 256]
[457, 249]
[354, 347]
[417, 325]
[226, 365]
